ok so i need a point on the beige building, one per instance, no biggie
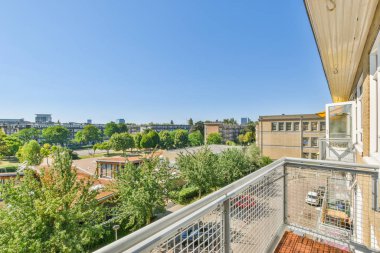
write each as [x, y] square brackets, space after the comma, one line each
[229, 132]
[290, 135]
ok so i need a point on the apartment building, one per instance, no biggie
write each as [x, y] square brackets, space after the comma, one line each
[164, 127]
[229, 132]
[290, 135]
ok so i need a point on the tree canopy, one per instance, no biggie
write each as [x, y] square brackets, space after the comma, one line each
[196, 138]
[181, 138]
[51, 211]
[150, 139]
[166, 140]
[214, 138]
[122, 141]
[112, 128]
[91, 134]
[30, 153]
[56, 135]
[28, 134]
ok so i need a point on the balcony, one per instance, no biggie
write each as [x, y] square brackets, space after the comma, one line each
[320, 204]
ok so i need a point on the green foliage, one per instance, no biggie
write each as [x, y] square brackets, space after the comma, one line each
[79, 138]
[122, 141]
[28, 134]
[30, 153]
[12, 144]
[181, 138]
[254, 156]
[230, 121]
[246, 138]
[190, 122]
[166, 140]
[91, 134]
[137, 137]
[46, 151]
[106, 145]
[230, 143]
[198, 126]
[196, 138]
[233, 164]
[56, 135]
[187, 194]
[150, 139]
[214, 138]
[141, 191]
[199, 169]
[50, 212]
[113, 128]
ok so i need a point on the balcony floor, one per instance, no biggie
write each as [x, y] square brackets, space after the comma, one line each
[291, 242]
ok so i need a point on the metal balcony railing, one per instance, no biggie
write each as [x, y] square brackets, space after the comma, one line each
[329, 201]
[337, 149]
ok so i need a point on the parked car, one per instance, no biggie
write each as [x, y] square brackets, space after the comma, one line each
[313, 198]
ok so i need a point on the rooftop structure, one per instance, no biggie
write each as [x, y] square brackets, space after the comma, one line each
[43, 118]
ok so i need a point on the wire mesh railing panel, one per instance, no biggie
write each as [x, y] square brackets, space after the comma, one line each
[257, 213]
[320, 202]
[366, 220]
[202, 235]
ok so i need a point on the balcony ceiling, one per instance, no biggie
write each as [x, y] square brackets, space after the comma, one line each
[340, 29]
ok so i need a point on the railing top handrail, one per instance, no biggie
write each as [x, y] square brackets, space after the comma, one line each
[212, 200]
[336, 139]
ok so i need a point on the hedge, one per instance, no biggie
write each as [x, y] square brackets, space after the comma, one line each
[187, 194]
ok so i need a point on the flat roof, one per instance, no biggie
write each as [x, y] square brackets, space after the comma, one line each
[120, 159]
[291, 117]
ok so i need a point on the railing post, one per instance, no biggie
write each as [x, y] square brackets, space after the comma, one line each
[226, 227]
[285, 196]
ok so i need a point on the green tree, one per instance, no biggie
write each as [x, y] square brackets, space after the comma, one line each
[51, 211]
[233, 164]
[198, 126]
[150, 139]
[141, 192]
[104, 146]
[171, 122]
[241, 139]
[122, 141]
[56, 135]
[31, 153]
[137, 137]
[230, 121]
[199, 169]
[214, 138]
[12, 144]
[28, 134]
[110, 129]
[248, 137]
[255, 158]
[196, 138]
[122, 128]
[190, 122]
[79, 138]
[181, 138]
[91, 134]
[45, 152]
[166, 140]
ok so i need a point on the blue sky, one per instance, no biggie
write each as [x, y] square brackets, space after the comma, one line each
[158, 60]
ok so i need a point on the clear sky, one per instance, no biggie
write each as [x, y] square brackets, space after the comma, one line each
[158, 60]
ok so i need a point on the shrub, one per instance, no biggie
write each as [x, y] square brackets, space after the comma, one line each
[187, 194]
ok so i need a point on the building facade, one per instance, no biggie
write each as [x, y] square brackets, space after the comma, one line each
[229, 132]
[290, 135]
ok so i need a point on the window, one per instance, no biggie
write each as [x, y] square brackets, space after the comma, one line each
[281, 126]
[305, 126]
[305, 155]
[314, 156]
[288, 126]
[296, 126]
[105, 170]
[314, 141]
[305, 141]
[322, 126]
[274, 126]
[314, 126]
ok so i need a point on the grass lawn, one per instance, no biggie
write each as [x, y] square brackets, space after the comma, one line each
[4, 163]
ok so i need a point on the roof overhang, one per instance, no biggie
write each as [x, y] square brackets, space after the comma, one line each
[340, 30]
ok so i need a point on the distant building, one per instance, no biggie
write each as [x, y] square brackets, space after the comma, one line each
[229, 132]
[11, 126]
[245, 121]
[43, 118]
[122, 121]
[89, 121]
[108, 167]
[163, 127]
[290, 135]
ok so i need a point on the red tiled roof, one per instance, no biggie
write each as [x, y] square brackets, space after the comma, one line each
[292, 243]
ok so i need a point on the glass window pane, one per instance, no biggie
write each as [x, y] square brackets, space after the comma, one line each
[288, 126]
[281, 126]
[305, 126]
[296, 126]
[340, 121]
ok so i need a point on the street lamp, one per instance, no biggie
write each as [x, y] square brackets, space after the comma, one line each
[116, 227]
